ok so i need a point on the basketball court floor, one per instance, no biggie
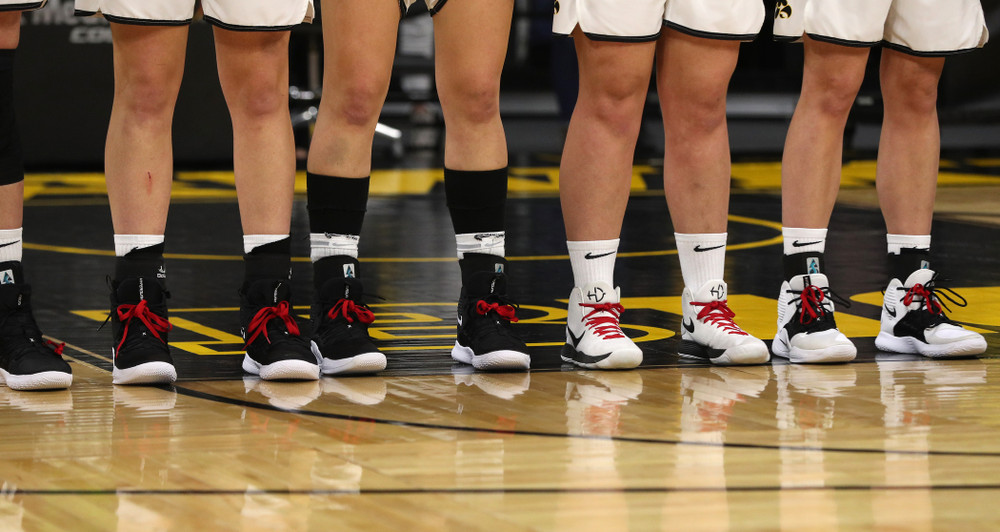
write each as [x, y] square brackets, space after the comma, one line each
[889, 442]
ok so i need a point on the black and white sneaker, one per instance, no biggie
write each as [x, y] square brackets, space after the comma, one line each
[274, 347]
[594, 337]
[485, 313]
[27, 360]
[340, 330]
[807, 330]
[139, 326]
[913, 320]
[709, 331]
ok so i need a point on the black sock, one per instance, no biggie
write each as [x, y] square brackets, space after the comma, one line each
[807, 263]
[336, 204]
[908, 261]
[11, 155]
[476, 199]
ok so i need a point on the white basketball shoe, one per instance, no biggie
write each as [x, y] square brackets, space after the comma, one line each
[594, 338]
[807, 331]
[709, 333]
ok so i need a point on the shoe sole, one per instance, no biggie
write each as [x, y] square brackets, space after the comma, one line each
[46, 380]
[734, 356]
[621, 359]
[492, 361]
[148, 373]
[292, 370]
[828, 355]
[909, 345]
[355, 365]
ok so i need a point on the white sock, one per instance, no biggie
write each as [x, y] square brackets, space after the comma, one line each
[896, 243]
[486, 243]
[250, 242]
[592, 261]
[702, 256]
[126, 243]
[803, 240]
[322, 245]
[11, 245]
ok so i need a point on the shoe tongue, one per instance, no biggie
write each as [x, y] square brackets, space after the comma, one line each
[136, 289]
[799, 282]
[715, 290]
[9, 296]
[599, 293]
[921, 276]
[11, 272]
[485, 283]
[341, 288]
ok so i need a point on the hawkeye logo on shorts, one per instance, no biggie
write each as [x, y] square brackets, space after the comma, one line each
[555, 7]
[782, 9]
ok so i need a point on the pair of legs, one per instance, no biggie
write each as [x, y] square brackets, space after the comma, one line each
[253, 71]
[906, 182]
[692, 80]
[470, 41]
[27, 360]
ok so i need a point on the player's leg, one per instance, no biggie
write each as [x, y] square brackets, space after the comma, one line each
[470, 41]
[595, 177]
[909, 149]
[693, 75]
[27, 360]
[253, 72]
[359, 42]
[810, 179]
[148, 66]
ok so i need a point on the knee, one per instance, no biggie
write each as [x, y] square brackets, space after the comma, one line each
[617, 105]
[257, 96]
[357, 102]
[475, 100]
[146, 97]
[913, 95]
[833, 93]
[691, 111]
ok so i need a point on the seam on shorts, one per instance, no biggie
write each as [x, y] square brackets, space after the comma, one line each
[842, 42]
[710, 34]
[138, 21]
[618, 38]
[437, 7]
[234, 27]
[787, 38]
[27, 6]
[402, 9]
[920, 53]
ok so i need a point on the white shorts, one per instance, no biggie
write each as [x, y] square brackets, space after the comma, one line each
[918, 27]
[21, 5]
[433, 6]
[257, 15]
[642, 20]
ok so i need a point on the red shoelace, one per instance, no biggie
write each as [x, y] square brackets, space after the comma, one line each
[812, 304]
[719, 314]
[601, 323]
[348, 310]
[920, 290]
[504, 311]
[258, 324]
[151, 320]
[58, 348]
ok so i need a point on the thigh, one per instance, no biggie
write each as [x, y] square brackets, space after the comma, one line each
[359, 41]
[470, 41]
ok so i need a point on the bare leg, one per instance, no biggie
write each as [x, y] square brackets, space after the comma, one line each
[811, 164]
[149, 64]
[253, 71]
[469, 58]
[692, 80]
[359, 45]
[910, 146]
[596, 163]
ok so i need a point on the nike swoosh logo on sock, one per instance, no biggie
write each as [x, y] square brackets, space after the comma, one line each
[589, 255]
[9, 244]
[700, 249]
[797, 244]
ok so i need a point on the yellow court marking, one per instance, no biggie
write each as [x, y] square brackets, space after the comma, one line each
[205, 257]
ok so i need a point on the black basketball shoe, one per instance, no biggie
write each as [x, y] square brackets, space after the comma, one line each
[485, 314]
[139, 326]
[274, 347]
[340, 329]
[27, 361]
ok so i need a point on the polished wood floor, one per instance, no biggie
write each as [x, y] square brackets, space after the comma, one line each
[889, 442]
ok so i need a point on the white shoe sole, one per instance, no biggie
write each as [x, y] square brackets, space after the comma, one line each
[622, 359]
[355, 365]
[741, 355]
[962, 348]
[827, 355]
[46, 380]
[148, 373]
[494, 360]
[298, 370]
